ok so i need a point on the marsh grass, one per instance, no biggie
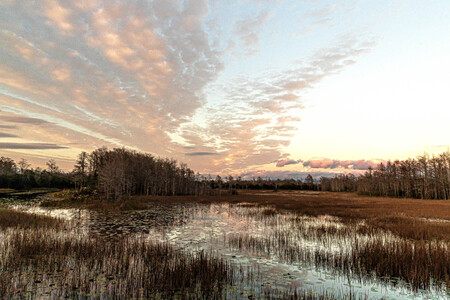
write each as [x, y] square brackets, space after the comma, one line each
[98, 205]
[404, 242]
[356, 250]
[6, 191]
[38, 263]
[91, 200]
[11, 219]
[419, 263]
[55, 265]
[33, 192]
[413, 228]
[404, 217]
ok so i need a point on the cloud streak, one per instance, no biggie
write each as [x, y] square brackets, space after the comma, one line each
[201, 153]
[6, 135]
[285, 162]
[23, 120]
[30, 146]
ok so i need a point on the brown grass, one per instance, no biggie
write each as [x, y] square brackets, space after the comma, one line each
[408, 218]
[44, 264]
[6, 191]
[421, 264]
[128, 268]
[68, 199]
[12, 218]
[418, 263]
[413, 228]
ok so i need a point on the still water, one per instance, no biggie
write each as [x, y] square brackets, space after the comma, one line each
[285, 250]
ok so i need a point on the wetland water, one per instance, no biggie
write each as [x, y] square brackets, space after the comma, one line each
[283, 251]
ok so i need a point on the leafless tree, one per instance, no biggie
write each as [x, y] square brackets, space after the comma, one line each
[23, 165]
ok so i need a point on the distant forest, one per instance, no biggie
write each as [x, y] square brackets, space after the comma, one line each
[122, 172]
[424, 177]
[19, 176]
[114, 173]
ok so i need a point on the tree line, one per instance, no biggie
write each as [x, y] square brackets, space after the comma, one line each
[423, 177]
[19, 175]
[118, 172]
[114, 173]
[231, 183]
[121, 172]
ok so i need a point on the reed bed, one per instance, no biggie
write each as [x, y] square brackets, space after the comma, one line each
[41, 256]
[357, 250]
[408, 218]
[414, 228]
[11, 218]
[92, 201]
[419, 263]
[47, 263]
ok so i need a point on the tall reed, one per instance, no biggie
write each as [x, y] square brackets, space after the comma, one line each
[42, 263]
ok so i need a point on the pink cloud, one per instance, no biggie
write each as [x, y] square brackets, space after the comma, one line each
[289, 174]
[326, 163]
[287, 161]
[136, 73]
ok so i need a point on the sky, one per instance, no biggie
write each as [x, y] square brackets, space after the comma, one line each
[247, 87]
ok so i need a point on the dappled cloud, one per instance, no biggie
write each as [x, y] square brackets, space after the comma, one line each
[259, 116]
[146, 75]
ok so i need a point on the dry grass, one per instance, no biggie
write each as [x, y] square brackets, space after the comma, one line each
[45, 264]
[70, 199]
[363, 252]
[422, 259]
[413, 228]
[98, 205]
[418, 263]
[408, 218]
[15, 219]
[39, 263]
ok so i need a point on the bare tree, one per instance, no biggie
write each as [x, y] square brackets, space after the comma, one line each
[52, 167]
[80, 170]
[23, 165]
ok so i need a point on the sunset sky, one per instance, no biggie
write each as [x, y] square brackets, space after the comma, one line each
[252, 88]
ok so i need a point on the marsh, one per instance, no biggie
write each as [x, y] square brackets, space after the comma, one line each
[232, 249]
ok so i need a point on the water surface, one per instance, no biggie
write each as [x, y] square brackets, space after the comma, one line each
[281, 248]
